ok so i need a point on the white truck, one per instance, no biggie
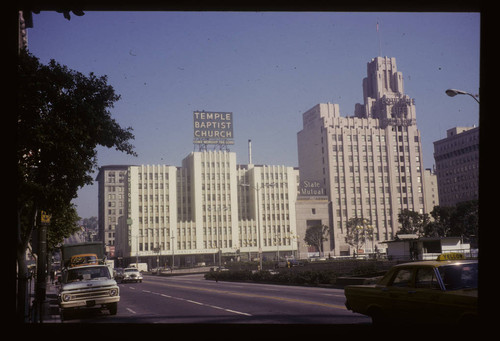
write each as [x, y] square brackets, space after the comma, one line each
[139, 266]
[86, 284]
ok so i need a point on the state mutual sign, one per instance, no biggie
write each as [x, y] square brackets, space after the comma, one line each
[311, 188]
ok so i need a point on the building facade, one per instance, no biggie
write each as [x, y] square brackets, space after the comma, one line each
[111, 201]
[209, 208]
[431, 192]
[457, 165]
[370, 164]
[311, 211]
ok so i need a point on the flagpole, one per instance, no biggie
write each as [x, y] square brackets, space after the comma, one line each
[379, 43]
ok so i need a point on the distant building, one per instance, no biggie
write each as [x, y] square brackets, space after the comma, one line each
[457, 165]
[370, 164]
[111, 200]
[431, 196]
[208, 206]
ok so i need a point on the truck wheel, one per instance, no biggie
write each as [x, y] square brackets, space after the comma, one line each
[113, 308]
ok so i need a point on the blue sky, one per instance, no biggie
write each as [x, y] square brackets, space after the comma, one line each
[265, 67]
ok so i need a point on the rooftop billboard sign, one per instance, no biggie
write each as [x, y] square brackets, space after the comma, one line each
[213, 127]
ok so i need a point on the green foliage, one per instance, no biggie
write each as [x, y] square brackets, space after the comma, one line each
[309, 277]
[63, 223]
[359, 231]
[316, 235]
[62, 116]
[461, 220]
[412, 222]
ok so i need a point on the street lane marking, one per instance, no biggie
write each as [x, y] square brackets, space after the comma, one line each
[133, 312]
[333, 295]
[194, 302]
[237, 312]
[277, 298]
[199, 303]
[228, 310]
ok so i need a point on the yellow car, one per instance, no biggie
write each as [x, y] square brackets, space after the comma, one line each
[434, 292]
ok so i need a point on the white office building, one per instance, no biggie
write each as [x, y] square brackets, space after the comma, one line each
[208, 208]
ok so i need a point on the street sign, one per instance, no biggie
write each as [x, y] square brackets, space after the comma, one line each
[44, 217]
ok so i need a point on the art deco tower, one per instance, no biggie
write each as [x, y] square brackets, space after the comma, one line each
[384, 97]
[371, 163]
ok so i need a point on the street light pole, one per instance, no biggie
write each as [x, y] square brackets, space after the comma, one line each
[172, 246]
[454, 92]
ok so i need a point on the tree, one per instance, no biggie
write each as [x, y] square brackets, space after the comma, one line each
[461, 220]
[62, 116]
[465, 221]
[316, 235]
[90, 223]
[63, 223]
[441, 225]
[412, 222]
[359, 230]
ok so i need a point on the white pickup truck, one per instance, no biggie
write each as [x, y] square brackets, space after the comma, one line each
[88, 286]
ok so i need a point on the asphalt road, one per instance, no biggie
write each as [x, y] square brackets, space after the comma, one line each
[192, 299]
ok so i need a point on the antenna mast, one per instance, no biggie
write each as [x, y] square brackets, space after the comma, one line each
[379, 43]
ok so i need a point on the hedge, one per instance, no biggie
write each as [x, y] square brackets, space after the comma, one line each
[310, 277]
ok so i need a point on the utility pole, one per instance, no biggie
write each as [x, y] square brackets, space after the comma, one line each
[41, 273]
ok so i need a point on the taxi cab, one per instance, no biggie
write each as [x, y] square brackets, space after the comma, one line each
[443, 291]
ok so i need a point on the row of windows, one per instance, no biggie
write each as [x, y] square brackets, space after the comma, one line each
[214, 164]
[356, 138]
[152, 176]
[156, 209]
[152, 197]
[474, 149]
[215, 175]
[155, 185]
[152, 220]
[459, 164]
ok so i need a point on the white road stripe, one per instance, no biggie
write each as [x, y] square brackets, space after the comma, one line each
[194, 302]
[133, 312]
[237, 312]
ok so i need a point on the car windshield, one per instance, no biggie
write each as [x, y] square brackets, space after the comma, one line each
[459, 276]
[130, 270]
[90, 273]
